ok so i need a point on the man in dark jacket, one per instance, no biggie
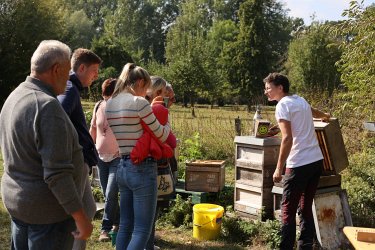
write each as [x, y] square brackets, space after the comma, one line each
[85, 66]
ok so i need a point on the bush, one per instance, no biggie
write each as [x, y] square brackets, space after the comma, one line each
[359, 181]
[180, 213]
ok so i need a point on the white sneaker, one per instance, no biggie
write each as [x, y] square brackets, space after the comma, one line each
[156, 248]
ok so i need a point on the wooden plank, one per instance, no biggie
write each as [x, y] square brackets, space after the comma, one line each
[351, 234]
[330, 167]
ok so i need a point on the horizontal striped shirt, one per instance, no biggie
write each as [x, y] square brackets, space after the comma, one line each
[124, 113]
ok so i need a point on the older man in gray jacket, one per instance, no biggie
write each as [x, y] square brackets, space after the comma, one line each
[44, 171]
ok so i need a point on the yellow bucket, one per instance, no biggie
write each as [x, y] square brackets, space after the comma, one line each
[207, 221]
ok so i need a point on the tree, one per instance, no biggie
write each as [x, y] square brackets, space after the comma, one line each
[187, 49]
[312, 56]
[23, 25]
[260, 46]
[357, 64]
[80, 30]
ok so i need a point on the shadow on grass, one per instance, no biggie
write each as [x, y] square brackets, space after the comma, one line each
[163, 244]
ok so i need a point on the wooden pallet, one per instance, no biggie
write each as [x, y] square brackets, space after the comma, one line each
[196, 197]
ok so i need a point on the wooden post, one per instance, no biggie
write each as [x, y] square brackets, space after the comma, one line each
[237, 125]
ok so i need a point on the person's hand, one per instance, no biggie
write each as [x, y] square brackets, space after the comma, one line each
[274, 130]
[277, 175]
[326, 117]
[83, 224]
[157, 100]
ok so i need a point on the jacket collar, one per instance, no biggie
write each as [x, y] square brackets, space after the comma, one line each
[74, 79]
[35, 83]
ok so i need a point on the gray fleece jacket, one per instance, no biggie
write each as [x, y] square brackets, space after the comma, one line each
[43, 162]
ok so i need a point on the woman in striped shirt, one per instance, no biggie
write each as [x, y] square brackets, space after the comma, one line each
[137, 183]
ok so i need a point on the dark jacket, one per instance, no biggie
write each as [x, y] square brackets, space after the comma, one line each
[71, 103]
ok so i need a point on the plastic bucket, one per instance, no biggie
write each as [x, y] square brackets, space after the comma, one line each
[113, 236]
[207, 221]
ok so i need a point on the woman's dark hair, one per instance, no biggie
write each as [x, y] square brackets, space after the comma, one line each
[278, 79]
[108, 87]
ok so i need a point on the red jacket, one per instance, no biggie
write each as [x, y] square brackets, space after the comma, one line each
[149, 144]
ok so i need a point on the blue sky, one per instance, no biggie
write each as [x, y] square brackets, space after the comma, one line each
[323, 9]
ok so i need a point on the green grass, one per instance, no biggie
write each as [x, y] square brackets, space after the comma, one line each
[4, 218]
[213, 124]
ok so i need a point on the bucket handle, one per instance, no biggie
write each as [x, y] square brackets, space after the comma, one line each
[201, 225]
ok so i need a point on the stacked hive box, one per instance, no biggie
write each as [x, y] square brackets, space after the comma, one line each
[255, 162]
[205, 176]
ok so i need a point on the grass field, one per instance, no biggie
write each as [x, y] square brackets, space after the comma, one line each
[216, 132]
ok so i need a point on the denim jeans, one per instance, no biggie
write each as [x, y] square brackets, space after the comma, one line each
[299, 190]
[56, 236]
[138, 194]
[107, 176]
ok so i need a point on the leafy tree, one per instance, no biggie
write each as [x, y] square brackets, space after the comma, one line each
[23, 25]
[96, 10]
[80, 30]
[260, 46]
[311, 59]
[357, 63]
[187, 49]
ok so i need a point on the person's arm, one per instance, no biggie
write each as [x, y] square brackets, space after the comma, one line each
[285, 147]
[319, 114]
[92, 129]
[146, 114]
[83, 224]
[55, 145]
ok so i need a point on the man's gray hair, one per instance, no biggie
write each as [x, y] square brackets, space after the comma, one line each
[48, 53]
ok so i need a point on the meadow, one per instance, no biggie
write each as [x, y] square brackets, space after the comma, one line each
[214, 131]
[208, 133]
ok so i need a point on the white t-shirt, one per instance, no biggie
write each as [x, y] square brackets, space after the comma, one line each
[305, 148]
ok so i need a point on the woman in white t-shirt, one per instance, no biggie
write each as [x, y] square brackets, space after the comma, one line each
[300, 152]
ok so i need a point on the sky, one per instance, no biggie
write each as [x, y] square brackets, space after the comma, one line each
[323, 9]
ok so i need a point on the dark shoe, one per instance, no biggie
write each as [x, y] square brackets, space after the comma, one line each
[104, 236]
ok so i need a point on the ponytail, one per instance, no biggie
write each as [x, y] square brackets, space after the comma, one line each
[129, 76]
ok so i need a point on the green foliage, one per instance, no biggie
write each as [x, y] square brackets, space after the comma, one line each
[311, 59]
[191, 149]
[23, 25]
[270, 233]
[180, 213]
[359, 181]
[259, 48]
[98, 194]
[79, 30]
[235, 229]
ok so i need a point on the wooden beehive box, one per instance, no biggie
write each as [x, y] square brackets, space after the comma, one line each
[255, 153]
[332, 145]
[205, 176]
[256, 160]
[253, 201]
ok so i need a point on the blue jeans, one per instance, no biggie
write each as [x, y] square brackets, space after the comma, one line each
[107, 176]
[138, 195]
[56, 236]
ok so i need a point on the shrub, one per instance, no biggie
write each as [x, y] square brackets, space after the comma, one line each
[359, 181]
[180, 213]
